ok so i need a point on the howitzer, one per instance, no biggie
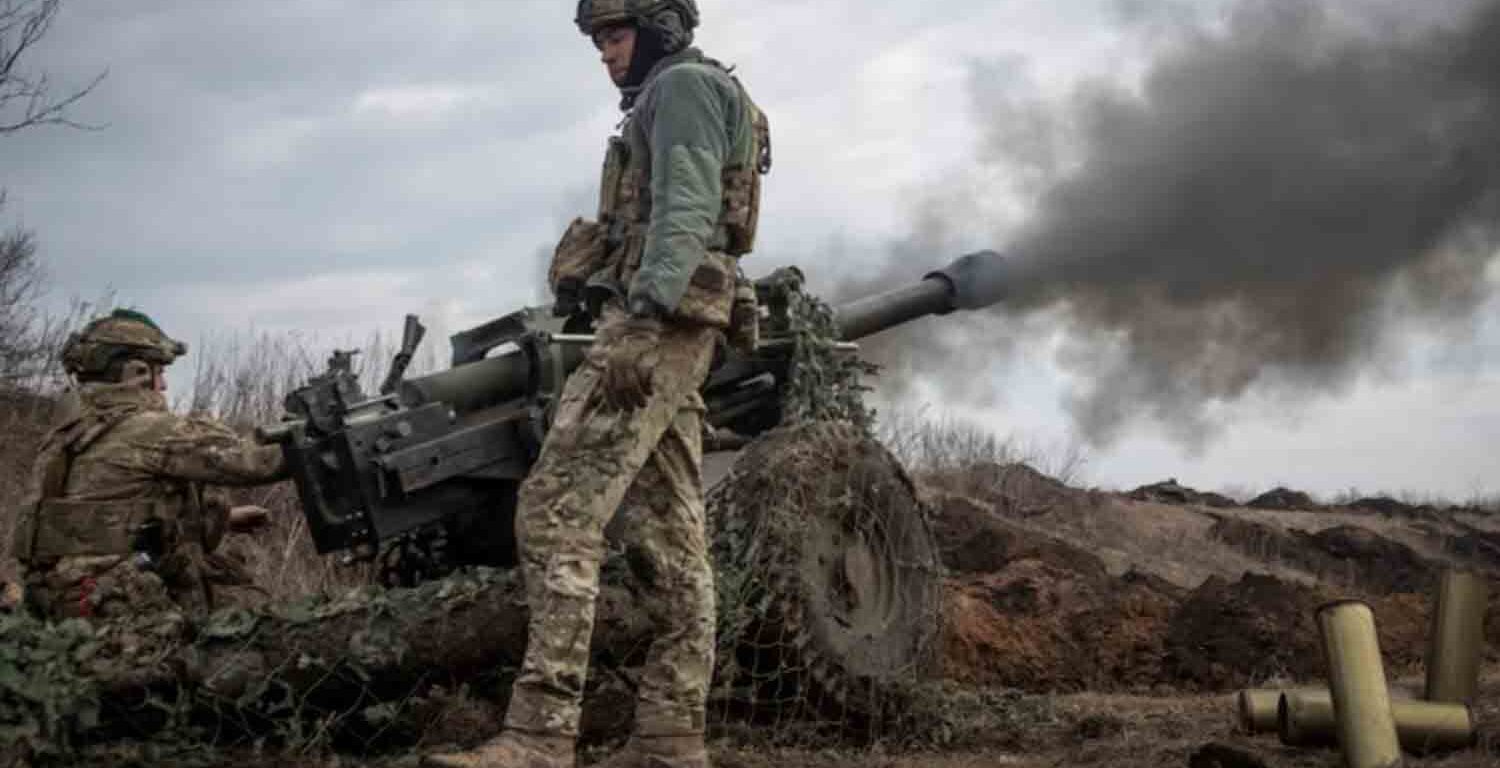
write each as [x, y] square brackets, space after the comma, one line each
[424, 476]
[828, 579]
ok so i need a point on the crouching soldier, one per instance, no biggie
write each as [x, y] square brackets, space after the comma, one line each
[123, 516]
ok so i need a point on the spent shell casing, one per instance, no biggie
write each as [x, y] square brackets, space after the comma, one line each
[1259, 708]
[1456, 643]
[1305, 719]
[1356, 679]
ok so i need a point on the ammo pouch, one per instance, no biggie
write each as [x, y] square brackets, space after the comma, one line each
[740, 213]
[579, 254]
[60, 528]
[709, 299]
[744, 316]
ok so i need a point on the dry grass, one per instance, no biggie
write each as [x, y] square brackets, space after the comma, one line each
[1175, 543]
[929, 444]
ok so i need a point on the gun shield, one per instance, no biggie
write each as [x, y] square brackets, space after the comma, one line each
[1457, 639]
[1305, 719]
[1356, 677]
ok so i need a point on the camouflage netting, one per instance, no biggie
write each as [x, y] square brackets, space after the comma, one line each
[357, 673]
[829, 585]
[46, 697]
[824, 382]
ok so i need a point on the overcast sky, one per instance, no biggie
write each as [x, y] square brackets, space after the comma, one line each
[326, 166]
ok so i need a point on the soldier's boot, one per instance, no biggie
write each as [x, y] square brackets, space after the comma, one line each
[685, 751]
[511, 749]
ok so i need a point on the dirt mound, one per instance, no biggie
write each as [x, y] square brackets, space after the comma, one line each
[1284, 498]
[1386, 505]
[1230, 635]
[1345, 554]
[972, 538]
[1376, 562]
[1033, 612]
[1227, 634]
[1169, 491]
[1012, 490]
[1458, 542]
[1039, 627]
[1026, 610]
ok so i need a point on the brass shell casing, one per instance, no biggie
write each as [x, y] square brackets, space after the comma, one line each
[1425, 727]
[1305, 719]
[1456, 643]
[1356, 678]
[1259, 709]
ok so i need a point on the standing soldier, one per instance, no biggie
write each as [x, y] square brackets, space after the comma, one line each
[658, 272]
[121, 519]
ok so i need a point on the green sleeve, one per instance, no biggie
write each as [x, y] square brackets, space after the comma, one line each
[689, 143]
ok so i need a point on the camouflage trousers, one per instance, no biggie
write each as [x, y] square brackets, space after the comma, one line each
[112, 586]
[647, 464]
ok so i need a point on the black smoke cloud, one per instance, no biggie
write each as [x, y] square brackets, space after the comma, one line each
[1277, 196]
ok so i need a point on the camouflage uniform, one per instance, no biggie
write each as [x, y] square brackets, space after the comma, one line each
[596, 457]
[122, 518]
[678, 201]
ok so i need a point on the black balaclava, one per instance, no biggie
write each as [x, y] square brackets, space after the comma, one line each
[650, 48]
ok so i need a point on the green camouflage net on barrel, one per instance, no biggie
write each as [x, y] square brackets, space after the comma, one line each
[824, 382]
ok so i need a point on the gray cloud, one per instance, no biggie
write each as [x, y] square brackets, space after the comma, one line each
[255, 144]
[1281, 195]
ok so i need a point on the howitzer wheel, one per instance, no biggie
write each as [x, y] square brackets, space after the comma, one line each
[829, 579]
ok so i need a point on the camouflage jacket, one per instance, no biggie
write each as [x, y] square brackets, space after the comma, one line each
[122, 457]
[673, 176]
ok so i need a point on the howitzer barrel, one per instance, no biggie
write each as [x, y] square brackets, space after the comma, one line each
[873, 314]
[483, 383]
[939, 293]
[474, 386]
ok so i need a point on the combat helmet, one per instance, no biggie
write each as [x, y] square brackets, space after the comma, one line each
[674, 20]
[100, 351]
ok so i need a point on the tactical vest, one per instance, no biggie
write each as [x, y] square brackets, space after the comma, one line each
[607, 254]
[52, 527]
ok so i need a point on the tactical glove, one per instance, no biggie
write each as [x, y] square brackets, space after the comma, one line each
[629, 360]
[579, 254]
[569, 301]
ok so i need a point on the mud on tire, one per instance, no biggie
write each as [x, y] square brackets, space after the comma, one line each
[829, 581]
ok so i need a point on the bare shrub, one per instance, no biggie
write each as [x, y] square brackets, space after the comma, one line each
[26, 98]
[923, 442]
[29, 335]
[962, 456]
